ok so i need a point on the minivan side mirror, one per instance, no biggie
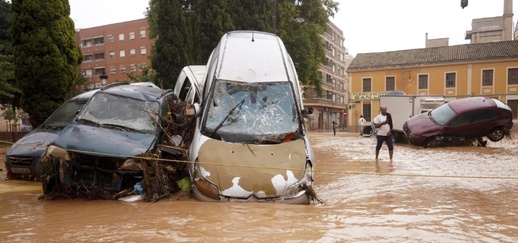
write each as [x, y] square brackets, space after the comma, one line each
[308, 114]
[197, 109]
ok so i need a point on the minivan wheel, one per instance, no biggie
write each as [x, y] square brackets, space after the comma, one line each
[496, 134]
[431, 143]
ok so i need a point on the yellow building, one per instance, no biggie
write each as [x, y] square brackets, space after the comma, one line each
[485, 69]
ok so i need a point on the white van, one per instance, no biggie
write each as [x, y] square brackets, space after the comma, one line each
[250, 141]
[189, 85]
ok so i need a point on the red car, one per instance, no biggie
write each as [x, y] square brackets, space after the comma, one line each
[460, 120]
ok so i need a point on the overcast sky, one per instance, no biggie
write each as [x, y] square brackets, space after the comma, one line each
[368, 25]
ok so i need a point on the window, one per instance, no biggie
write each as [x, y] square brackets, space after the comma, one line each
[112, 54]
[132, 52]
[112, 70]
[110, 38]
[329, 79]
[423, 81]
[450, 80]
[132, 35]
[512, 76]
[122, 53]
[121, 37]
[367, 111]
[143, 50]
[487, 77]
[133, 67]
[390, 83]
[142, 33]
[123, 69]
[366, 83]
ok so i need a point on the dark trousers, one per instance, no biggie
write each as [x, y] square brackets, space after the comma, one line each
[386, 139]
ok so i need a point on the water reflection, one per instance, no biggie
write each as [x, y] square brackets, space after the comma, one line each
[384, 167]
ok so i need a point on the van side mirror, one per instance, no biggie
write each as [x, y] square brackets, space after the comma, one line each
[197, 109]
[308, 113]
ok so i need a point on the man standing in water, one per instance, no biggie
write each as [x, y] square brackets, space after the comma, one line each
[383, 124]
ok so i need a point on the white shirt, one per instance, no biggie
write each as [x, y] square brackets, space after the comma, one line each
[383, 130]
[362, 121]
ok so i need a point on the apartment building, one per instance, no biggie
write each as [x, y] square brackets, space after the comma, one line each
[114, 50]
[331, 105]
[484, 69]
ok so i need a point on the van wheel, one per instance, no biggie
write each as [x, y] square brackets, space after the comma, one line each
[496, 134]
[431, 143]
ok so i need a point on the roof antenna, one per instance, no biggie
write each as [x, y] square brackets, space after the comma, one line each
[253, 38]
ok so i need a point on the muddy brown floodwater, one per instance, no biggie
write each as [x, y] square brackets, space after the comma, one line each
[454, 194]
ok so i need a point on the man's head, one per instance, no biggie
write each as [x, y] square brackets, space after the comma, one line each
[383, 110]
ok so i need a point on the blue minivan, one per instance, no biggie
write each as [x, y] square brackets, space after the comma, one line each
[22, 159]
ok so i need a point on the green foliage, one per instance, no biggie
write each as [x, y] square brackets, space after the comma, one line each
[45, 55]
[184, 184]
[147, 75]
[7, 89]
[211, 20]
[174, 44]
[9, 114]
[5, 23]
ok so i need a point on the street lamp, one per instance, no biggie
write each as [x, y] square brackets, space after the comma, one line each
[103, 77]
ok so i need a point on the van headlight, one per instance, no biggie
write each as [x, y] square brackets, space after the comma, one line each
[58, 152]
[298, 189]
[203, 185]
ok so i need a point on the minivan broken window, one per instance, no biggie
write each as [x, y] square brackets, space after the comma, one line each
[266, 111]
[111, 110]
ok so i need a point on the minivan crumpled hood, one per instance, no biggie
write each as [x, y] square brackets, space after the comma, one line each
[103, 142]
[421, 124]
[34, 143]
[242, 170]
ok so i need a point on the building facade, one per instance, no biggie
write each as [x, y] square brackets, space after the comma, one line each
[492, 29]
[331, 104]
[485, 69]
[114, 50]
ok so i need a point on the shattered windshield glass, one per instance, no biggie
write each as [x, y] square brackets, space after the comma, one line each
[120, 112]
[266, 111]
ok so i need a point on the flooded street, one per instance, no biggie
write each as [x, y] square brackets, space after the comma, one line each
[454, 194]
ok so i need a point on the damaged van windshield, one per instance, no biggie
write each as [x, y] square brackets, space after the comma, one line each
[252, 112]
[123, 113]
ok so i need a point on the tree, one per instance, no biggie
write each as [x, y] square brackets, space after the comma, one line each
[5, 23]
[45, 55]
[7, 89]
[147, 75]
[9, 94]
[210, 20]
[174, 42]
[301, 25]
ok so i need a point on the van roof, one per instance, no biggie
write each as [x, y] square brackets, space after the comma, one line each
[252, 56]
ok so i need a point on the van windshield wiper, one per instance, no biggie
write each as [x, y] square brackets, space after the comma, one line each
[121, 127]
[88, 121]
[228, 115]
